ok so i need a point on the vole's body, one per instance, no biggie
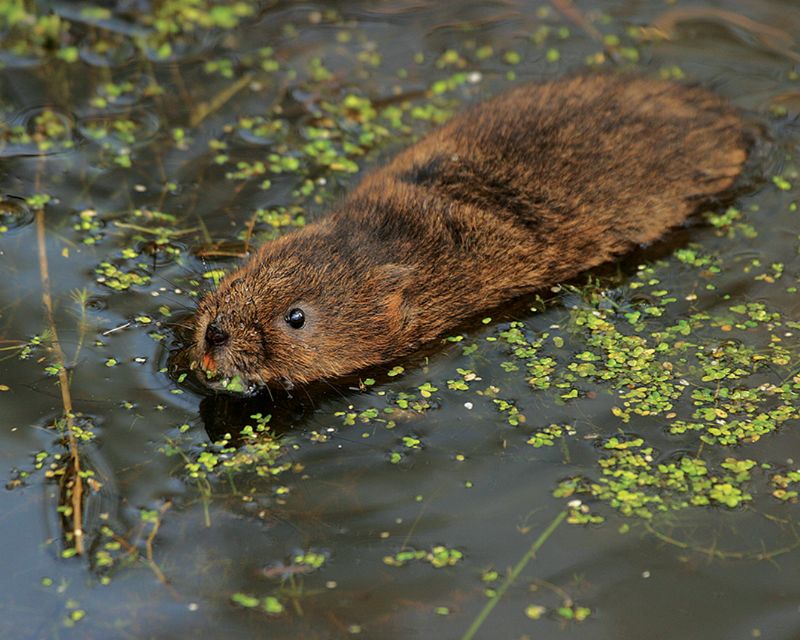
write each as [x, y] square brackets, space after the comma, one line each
[517, 193]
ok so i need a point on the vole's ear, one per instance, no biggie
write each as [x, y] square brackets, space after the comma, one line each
[392, 281]
[392, 275]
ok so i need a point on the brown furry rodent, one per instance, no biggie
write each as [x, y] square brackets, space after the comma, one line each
[516, 193]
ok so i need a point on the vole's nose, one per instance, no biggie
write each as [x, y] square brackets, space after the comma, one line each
[215, 335]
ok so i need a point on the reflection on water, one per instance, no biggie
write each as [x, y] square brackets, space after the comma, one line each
[144, 150]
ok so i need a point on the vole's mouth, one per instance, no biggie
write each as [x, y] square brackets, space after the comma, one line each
[234, 384]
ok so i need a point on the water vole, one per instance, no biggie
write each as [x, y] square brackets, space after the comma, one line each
[516, 193]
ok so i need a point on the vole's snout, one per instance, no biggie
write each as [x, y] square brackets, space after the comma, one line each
[215, 335]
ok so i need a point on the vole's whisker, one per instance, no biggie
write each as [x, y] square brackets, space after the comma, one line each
[308, 395]
[334, 388]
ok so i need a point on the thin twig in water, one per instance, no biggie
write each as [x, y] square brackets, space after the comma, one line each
[574, 15]
[149, 543]
[713, 552]
[108, 332]
[523, 562]
[156, 232]
[220, 253]
[771, 38]
[80, 297]
[205, 109]
[72, 482]
[250, 225]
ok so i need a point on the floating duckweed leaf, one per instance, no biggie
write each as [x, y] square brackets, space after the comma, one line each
[427, 390]
[573, 613]
[272, 605]
[782, 183]
[115, 278]
[439, 556]
[312, 559]
[512, 413]
[234, 384]
[244, 600]
[547, 436]
[535, 611]
[786, 485]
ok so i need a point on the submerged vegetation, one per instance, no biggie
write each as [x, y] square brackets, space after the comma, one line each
[147, 146]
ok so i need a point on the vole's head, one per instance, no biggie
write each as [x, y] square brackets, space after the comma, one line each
[297, 312]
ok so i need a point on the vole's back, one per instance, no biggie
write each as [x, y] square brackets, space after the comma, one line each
[547, 180]
[595, 146]
[535, 186]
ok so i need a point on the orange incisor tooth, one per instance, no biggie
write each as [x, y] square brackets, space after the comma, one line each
[208, 363]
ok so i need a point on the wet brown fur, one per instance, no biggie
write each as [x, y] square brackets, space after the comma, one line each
[516, 193]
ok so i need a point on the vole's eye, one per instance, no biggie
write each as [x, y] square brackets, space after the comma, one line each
[295, 318]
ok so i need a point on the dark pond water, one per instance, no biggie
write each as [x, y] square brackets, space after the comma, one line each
[144, 145]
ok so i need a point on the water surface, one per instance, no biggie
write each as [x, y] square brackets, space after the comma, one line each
[148, 154]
